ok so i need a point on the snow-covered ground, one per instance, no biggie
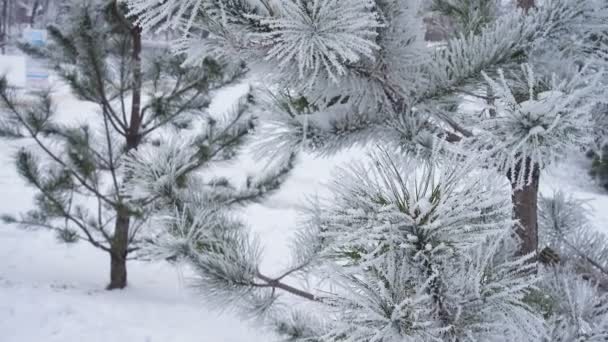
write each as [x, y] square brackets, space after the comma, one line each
[54, 293]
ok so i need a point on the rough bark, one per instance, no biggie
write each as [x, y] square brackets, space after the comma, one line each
[525, 206]
[120, 242]
[118, 254]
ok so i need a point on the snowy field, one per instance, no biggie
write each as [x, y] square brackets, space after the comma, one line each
[55, 293]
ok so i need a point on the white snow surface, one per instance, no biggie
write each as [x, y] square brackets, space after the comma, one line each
[55, 293]
[13, 68]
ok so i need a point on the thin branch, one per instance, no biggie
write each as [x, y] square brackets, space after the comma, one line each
[52, 155]
[587, 258]
[135, 230]
[277, 284]
[26, 223]
[292, 271]
[107, 107]
[88, 146]
[455, 125]
[69, 216]
[578, 251]
[175, 114]
[482, 97]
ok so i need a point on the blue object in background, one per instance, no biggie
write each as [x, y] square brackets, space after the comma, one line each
[35, 37]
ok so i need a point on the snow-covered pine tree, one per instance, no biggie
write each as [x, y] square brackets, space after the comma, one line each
[141, 97]
[364, 68]
[424, 253]
[419, 252]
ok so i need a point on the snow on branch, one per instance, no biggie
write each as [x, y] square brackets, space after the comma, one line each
[576, 308]
[320, 36]
[388, 203]
[555, 118]
[476, 298]
[505, 43]
[564, 226]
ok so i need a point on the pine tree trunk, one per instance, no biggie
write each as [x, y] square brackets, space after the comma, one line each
[120, 244]
[133, 138]
[525, 208]
[525, 200]
[34, 12]
[4, 26]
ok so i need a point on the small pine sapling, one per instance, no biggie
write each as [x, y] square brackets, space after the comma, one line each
[131, 95]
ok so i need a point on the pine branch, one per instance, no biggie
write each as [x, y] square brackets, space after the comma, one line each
[27, 224]
[93, 59]
[33, 134]
[261, 189]
[9, 130]
[68, 135]
[64, 42]
[175, 113]
[82, 226]
[564, 223]
[277, 284]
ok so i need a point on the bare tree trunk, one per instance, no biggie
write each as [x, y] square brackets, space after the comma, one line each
[33, 14]
[525, 205]
[10, 21]
[4, 26]
[120, 242]
[133, 137]
[118, 254]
